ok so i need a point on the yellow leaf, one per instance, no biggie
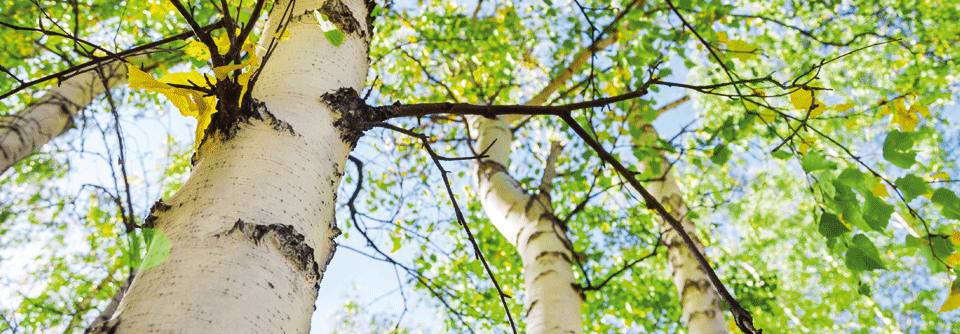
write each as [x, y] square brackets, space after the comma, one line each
[801, 99]
[880, 190]
[843, 107]
[197, 50]
[189, 102]
[818, 110]
[282, 37]
[941, 175]
[140, 79]
[722, 36]
[805, 144]
[954, 259]
[741, 50]
[906, 119]
[223, 42]
[922, 110]
[222, 71]
[853, 123]
[886, 110]
[953, 300]
[955, 237]
[899, 107]
[767, 115]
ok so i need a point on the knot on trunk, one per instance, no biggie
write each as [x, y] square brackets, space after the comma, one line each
[355, 116]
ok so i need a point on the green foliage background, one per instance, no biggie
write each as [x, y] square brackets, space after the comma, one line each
[785, 194]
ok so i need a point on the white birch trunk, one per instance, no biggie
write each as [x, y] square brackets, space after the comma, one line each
[702, 311]
[52, 115]
[252, 230]
[552, 305]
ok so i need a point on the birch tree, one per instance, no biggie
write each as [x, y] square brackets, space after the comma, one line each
[243, 243]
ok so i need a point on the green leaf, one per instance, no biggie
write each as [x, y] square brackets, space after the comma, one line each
[912, 186]
[781, 154]
[721, 154]
[898, 149]
[330, 31]
[815, 161]
[949, 203]
[863, 255]
[849, 205]
[335, 37]
[728, 131]
[942, 247]
[396, 243]
[830, 226]
[877, 213]
[912, 241]
[853, 178]
[157, 249]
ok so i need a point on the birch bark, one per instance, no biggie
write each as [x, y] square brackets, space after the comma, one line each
[251, 231]
[25, 132]
[552, 305]
[702, 310]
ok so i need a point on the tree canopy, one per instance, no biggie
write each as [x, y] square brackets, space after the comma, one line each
[813, 142]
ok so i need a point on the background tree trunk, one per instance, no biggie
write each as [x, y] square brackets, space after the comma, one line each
[702, 310]
[52, 115]
[552, 305]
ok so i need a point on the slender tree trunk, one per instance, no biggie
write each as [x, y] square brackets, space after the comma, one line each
[552, 305]
[52, 115]
[251, 231]
[702, 311]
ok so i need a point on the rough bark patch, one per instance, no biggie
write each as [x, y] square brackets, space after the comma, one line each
[225, 123]
[356, 116]
[340, 15]
[155, 210]
[289, 241]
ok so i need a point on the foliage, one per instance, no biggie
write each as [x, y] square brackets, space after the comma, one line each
[819, 168]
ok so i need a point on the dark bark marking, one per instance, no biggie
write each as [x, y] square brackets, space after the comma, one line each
[548, 272]
[356, 116]
[340, 15]
[534, 236]
[290, 243]
[553, 219]
[109, 327]
[155, 210]
[532, 305]
[701, 285]
[225, 123]
[709, 314]
[554, 253]
[490, 168]
[579, 290]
